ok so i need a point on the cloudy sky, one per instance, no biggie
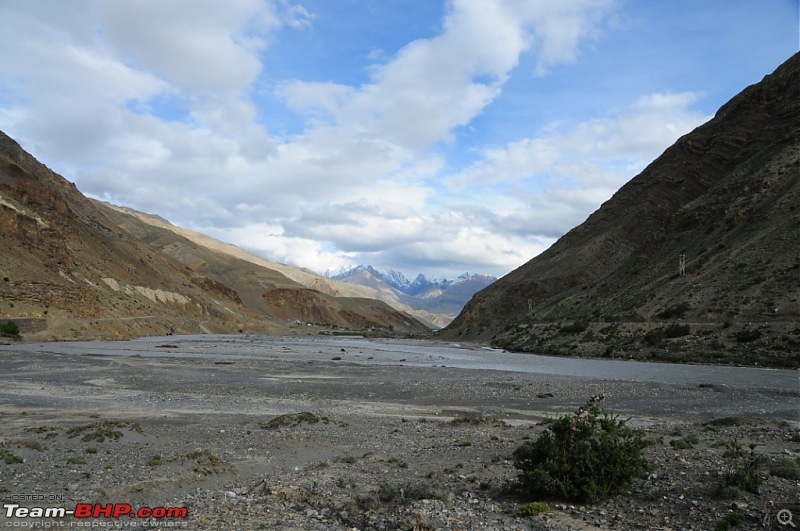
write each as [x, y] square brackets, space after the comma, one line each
[433, 136]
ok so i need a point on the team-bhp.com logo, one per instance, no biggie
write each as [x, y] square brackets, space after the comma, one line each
[95, 510]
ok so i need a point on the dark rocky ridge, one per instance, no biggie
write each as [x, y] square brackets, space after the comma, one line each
[725, 196]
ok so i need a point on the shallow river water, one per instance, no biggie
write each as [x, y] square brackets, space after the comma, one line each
[418, 353]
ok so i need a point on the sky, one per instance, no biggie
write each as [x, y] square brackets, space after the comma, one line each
[423, 136]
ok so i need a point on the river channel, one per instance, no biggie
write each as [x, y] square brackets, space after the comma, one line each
[419, 353]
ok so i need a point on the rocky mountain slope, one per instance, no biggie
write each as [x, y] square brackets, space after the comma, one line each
[443, 297]
[192, 248]
[68, 271]
[697, 257]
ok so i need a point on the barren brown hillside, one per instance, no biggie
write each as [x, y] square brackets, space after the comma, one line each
[215, 258]
[67, 271]
[724, 201]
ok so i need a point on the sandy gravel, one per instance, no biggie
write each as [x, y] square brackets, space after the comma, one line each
[185, 422]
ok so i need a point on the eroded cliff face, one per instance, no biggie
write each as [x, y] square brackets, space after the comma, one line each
[67, 271]
[63, 259]
[725, 197]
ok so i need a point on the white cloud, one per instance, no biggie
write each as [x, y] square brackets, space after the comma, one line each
[299, 17]
[313, 97]
[362, 181]
[435, 85]
[271, 242]
[636, 136]
[551, 183]
[194, 44]
[558, 28]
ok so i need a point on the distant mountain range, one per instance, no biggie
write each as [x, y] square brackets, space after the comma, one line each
[437, 296]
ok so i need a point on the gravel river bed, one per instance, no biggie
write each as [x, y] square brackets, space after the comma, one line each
[280, 432]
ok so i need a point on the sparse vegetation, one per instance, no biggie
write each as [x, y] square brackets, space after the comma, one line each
[533, 509]
[9, 458]
[9, 328]
[154, 461]
[743, 472]
[729, 522]
[477, 420]
[365, 502]
[408, 492]
[100, 431]
[387, 493]
[207, 462]
[290, 420]
[30, 444]
[685, 443]
[396, 461]
[786, 468]
[48, 431]
[724, 422]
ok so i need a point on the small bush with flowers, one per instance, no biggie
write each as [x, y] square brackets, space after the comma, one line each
[587, 456]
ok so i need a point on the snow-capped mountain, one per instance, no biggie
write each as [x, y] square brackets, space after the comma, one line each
[440, 296]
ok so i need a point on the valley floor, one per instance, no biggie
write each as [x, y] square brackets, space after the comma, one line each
[257, 432]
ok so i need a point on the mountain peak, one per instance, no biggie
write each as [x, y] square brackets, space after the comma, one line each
[424, 293]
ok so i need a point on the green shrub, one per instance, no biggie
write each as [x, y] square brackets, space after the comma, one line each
[9, 328]
[744, 468]
[365, 502]
[399, 463]
[408, 492]
[424, 490]
[532, 509]
[207, 462]
[100, 431]
[786, 468]
[729, 522]
[477, 420]
[387, 493]
[33, 445]
[729, 492]
[685, 443]
[9, 458]
[290, 420]
[587, 456]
